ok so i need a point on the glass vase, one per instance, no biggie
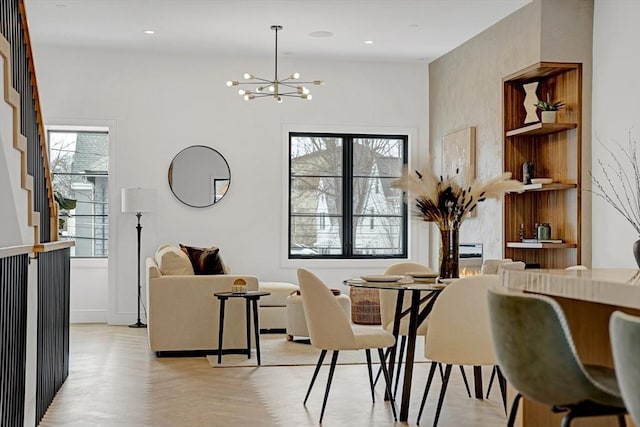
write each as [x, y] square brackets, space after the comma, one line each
[449, 252]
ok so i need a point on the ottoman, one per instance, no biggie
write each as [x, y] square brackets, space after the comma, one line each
[296, 321]
[273, 308]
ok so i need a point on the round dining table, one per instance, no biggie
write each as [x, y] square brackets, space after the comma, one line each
[421, 293]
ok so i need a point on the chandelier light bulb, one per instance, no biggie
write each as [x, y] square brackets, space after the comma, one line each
[231, 83]
[295, 76]
[242, 92]
[247, 76]
[259, 89]
[305, 90]
[272, 88]
[308, 97]
[279, 99]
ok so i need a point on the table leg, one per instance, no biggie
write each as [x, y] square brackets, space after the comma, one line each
[256, 328]
[247, 310]
[411, 347]
[396, 328]
[220, 329]
[477, 379]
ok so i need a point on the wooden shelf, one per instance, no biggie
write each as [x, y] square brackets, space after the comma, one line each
[552, 187]
[541, 129]
[521, 245]
[555, 149]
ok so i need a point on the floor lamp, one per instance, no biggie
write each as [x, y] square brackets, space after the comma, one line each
[138, 200]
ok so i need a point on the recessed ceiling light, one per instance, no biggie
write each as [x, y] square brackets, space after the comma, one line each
[321, 34]
[149, 32]
[369, 42]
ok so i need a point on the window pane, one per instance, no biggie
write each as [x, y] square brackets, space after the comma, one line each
[79, 165]
[376, 235]
[316, 156]
[376, 196]
[377, 157]
[316, 195]
[315, 235]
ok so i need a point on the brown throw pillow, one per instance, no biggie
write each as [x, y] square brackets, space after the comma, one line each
[204, 260]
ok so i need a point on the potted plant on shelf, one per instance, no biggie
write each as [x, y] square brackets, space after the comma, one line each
[549, 110]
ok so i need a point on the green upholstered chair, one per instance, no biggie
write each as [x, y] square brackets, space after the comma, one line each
[537, 356]
[625, 342]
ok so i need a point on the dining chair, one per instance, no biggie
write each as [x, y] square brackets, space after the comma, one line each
[330, 329]
[459, 333]
[536, 353]
[625, 343]
[490, 266]
[388, 301]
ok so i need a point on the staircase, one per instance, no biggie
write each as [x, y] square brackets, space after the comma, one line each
[34, 265]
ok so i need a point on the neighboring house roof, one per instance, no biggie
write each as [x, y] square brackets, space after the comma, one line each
[92, 153]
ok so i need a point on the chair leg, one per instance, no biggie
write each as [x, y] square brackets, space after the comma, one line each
[334, 360]
[386, 356]
[493, 375]
[426, 388]
[315, 374]
[502, 382]
[387, 380]
[443, 391]
[368, 353]
[566, 420]
[514, 410]
[464, 378]
[403, 342]
[621, 421]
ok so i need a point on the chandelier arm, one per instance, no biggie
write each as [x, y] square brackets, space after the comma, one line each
[253, 83]
[275, 75]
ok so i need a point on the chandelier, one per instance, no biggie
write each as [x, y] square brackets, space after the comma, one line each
[259, 87]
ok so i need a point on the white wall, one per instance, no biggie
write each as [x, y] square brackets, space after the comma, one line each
[161, 104]
[616, 111]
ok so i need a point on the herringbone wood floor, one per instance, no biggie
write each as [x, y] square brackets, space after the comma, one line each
[115, 380]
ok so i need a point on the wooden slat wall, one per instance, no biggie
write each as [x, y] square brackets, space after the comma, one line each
[13, 333]
[53, 326]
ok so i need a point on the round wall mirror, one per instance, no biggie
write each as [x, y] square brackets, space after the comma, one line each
[199, 176]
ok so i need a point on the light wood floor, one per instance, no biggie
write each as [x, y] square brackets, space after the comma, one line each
[115, 380]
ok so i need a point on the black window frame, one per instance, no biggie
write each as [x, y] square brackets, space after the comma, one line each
[347, 193]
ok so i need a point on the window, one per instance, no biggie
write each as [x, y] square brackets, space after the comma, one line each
[79, 168]
[341, 202]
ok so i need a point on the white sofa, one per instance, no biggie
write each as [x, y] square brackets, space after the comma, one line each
[183, 313]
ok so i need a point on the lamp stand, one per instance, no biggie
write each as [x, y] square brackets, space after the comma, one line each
[139, 323]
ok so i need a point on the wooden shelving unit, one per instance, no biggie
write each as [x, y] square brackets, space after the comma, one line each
[556, 151]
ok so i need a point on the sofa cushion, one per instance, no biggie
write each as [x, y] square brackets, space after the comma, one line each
[205, 260]
[172, 261]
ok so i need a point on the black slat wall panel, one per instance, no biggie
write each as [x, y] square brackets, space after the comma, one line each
[12, 30]
[53, 326]
[13, 331]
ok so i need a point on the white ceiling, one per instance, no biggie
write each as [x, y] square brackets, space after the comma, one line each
[403, 30]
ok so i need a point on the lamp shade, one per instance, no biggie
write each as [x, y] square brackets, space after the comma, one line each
[138, 200]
